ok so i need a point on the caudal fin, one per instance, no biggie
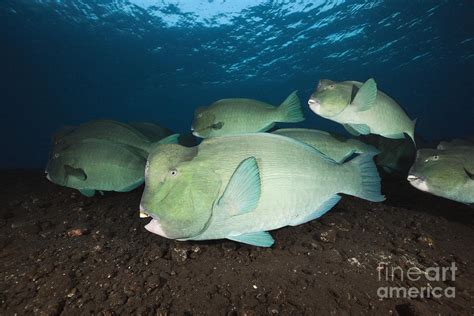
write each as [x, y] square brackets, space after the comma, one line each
[369, 183]
[290, 110]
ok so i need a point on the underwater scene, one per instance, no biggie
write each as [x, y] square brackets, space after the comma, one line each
[237, 157]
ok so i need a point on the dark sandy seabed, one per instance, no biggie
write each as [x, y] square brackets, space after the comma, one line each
[62, 253]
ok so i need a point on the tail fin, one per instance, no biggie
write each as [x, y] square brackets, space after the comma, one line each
[369, 187]
[290, 110]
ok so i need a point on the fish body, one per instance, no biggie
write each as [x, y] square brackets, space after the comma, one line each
[238, 116]
[335, 146]
[361, 109]
[239, 187]
[94, 164]
[446, 173]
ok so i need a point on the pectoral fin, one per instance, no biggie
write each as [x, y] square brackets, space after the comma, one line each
[351, 131]
[172, 139]
[469, 174]
[365, 97]
[260, 239]
[360, 128]
[243, 190]
[75, 172]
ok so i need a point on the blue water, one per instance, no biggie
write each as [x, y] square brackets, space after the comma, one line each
[65, 62]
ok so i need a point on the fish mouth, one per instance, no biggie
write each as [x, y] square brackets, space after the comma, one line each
[418, 182]
[144, 212]
[412, 178]
[154, 227]
[196, 133]
[314, 105]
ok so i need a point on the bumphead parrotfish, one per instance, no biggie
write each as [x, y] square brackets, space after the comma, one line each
[96, 164]
[361, 109]
[239, 116]
[240, 187]
[447, 173]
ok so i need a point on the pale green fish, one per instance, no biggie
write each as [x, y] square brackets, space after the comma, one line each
[106, 130]
[95, 164]
[238, 116]
[361, 108]
[455, 143]
[153, 132]
[239, 187]
[396, 155]
[335, 146]
[447, 173]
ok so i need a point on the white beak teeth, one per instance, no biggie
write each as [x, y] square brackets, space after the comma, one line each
[412, 178]
[143, 215]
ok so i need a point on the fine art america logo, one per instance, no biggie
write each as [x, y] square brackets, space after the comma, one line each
[392, 274]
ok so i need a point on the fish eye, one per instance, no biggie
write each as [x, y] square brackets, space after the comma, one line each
[56, 155]
[217, 125]
[173, 172]
[432, 158]
[331, 86]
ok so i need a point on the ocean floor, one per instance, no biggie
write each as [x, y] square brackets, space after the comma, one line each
[62, 253]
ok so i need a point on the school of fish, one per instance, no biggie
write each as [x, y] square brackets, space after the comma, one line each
[246, 178]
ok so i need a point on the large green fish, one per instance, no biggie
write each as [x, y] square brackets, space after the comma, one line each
[335, 146]
[239, 187]
[447, 173]
[238, 116]
[96, 164]
[361, 108]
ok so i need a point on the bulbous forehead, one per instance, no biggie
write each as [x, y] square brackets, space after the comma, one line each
[204, 118]
[324, 83]
[163, 157]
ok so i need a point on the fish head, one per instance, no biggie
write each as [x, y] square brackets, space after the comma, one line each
[205, 124]
[330, 98]
[179, 193]
[56, 170]
[436, 172]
